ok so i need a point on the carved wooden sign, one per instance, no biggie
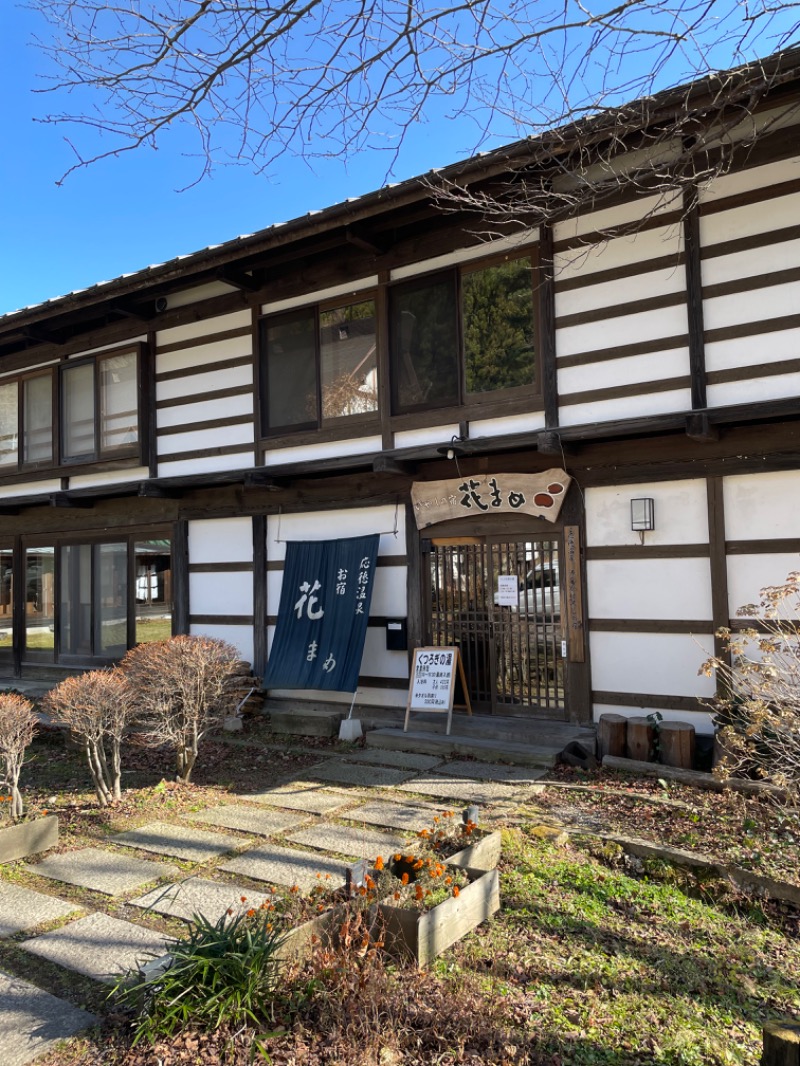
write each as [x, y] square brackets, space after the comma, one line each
[538, 495]
[573, 600]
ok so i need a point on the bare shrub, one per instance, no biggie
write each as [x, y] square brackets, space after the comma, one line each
[183, 688]
[17, 725]
[98, 707]
[758, 703]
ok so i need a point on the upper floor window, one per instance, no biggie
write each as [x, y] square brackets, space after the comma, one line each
[83, 411]
[458, 335]
[319, 364]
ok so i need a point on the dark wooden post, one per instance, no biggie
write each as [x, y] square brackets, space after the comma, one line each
[641, 739]
[781, 1044]
[611, 733]
[676, 744]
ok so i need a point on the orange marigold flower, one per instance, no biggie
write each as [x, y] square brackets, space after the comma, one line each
[251, 913]
[295, 888]
[379, 863]
[369, 882]
[398, 857]
[424, 833]
[456, 890]
[448, 880]
[229, 910]
[397, 895]
[418, 890]
[418, 864]
[362, 891]
[404, 879]
[436, 820]
[243, 899]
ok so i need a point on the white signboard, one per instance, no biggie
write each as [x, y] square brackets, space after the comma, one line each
[507, 590]
[433, 680]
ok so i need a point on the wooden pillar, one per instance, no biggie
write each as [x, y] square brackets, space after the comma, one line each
[781, 1044]
[676, 744]
[259, 594]
[641, 739]
[611, 733]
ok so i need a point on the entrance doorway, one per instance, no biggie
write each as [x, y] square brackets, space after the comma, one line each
[510, 632]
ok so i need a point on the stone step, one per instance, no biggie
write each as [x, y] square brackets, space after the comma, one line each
[428, 743]
[538, 732]
[306, 721]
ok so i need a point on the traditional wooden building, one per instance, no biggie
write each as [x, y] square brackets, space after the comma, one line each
[384, 367]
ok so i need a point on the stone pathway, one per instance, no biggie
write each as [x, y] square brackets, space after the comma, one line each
[338, 811]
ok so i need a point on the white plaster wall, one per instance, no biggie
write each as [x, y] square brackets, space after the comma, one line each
[329, 450]
[350, 289]
[747, 180]
[752, 263]
[202, 292]
[772, 301]
[681, 513]
[109, 477]
[671, 363]
[189, 413]
[649, 588]
[745, 351]
[664, 664]
[241, 637]
[204, 354]
[217, 540]
[177, 443]
[220, 594]
[748, 574]
[514, 244]
[762, 506]
[631, 211]
[749, 219]
[414, 438]
[204, 326]
[323, 525]
[499, 427]
[199, 384]
[30, 488]
[772, 388]
[656, 403]
[237, 461]
[622, 291]
[621, 251]
[701, 720]
[623, 329]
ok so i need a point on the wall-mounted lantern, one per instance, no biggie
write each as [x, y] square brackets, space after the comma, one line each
[643, 516]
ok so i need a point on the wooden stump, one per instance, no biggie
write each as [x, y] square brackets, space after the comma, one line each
[781, 1044]
[641, 739]
[611, 733]
[676, 744]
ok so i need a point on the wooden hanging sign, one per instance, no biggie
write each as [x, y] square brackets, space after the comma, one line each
[539, 495]
[433, 683]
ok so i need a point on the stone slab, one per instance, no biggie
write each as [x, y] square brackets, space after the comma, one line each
[285, 866]
[33, 1021]
[197, 895]
[257, 820]
[353, 841]
[299, 796]
[343, 773]
[460, 790]
[98, 946]
[21, 908]
[487, 771]
[407, 816]
[405, 760]
[179, 841]
[103, 871]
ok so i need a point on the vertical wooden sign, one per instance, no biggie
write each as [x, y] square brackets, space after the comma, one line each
[573, 595]
[433, 682]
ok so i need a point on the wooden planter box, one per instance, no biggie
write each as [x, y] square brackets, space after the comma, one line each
[424, 935]
[302, 938]
[482, 854]
[27, 838]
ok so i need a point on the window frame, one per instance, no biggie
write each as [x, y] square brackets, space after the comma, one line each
[367, 419]
[470, 402]
[135, 454]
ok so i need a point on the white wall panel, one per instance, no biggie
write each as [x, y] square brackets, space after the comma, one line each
[621, 251]
[187, 414]
[414, 438]
[241, 637]
[204, 354]
[771, 388]
[499, 427]
[748, 574]
[328, 450]
[649, 588]
[681, 513]
[641, 286]
[233, 320]
[664, 664]
[632, 211]
[622, 329]
[324, 525]
[350, 289]
[749, 220]
[516, 243]
[671, 363]
[762, 506]
[701, 720]
[773, 301]
[221, 593]
[198, 384]
[215, 540]
[656, 403]
[176, 443]
[745, 351]
[752, 263]
[747, 180]
[30, 488]
[109, 477]
[201, 292]
[238, 461]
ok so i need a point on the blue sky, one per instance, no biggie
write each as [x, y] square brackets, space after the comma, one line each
[123, 214]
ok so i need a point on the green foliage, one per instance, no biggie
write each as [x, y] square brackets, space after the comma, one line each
[222, 973]
[498, 327]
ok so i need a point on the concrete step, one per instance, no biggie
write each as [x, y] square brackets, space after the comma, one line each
[306, 721]
[428, 743]
[538, 732]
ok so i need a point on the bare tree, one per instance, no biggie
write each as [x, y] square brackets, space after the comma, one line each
[17, 725]
[184, 690]
[98, 707]
[255, 79]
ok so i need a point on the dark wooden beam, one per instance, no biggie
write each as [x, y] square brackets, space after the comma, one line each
[550, 443]
[694, 299]
[240, 279]
[126, 309]
[38, 335]
[152, 491]
[261, 479]
[547, 326]
[700, 428]
[387, 464]
[63, 499]
[360, 238]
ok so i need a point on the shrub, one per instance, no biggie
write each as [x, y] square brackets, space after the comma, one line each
[758, 707]
[221, 973]
[17, 725]
[98, 707]
[183, 687]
